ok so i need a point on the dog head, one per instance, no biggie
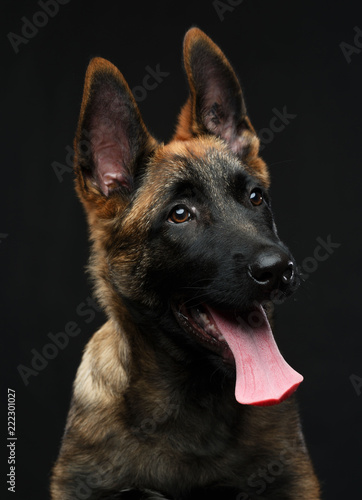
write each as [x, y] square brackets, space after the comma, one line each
[183, 233]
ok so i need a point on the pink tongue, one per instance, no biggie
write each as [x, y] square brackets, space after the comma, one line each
[263, 377]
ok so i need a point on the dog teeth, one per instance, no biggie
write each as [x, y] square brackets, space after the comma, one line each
[211, 327]
[203, 320]
[182, 315]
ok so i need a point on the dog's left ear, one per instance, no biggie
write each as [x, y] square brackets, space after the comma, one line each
[216, 105]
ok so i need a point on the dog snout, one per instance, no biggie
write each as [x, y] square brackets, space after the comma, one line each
[272, 269]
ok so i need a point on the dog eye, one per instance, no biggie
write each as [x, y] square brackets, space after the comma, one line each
[179, 214]
[256, 197]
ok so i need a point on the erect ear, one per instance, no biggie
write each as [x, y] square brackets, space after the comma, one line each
[111, 140]
[215, 105]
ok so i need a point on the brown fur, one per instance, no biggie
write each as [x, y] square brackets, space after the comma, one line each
[138, 418]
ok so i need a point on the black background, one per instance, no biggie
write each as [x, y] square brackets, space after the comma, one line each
[286, 54]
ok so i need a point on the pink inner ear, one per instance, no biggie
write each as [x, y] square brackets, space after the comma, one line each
[220, 99]
[219, 114]
[221, 123]
[111, 154]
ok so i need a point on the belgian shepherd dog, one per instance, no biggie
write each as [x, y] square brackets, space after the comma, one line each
[183, 393]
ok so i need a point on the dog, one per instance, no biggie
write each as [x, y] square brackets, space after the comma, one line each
[183, 393]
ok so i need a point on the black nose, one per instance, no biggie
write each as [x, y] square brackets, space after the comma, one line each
[272, 269]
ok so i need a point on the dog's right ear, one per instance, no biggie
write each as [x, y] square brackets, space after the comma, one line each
[112, 141]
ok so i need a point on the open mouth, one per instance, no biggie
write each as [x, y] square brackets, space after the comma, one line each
[245, 340]
[198, 322]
